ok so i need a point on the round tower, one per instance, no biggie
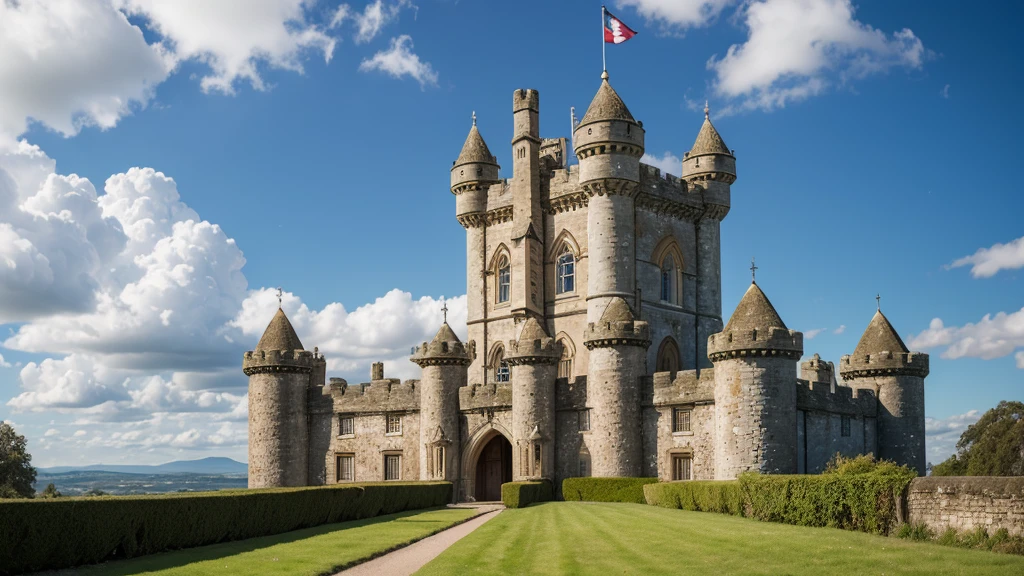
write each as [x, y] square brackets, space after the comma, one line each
[755, 360]
[618, 358]
[445, 361]
[279, 375]
[710, 168]
[883, 363]
[609, 144]
[534, 358]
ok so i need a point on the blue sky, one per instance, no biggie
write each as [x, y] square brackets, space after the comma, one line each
[875, 144]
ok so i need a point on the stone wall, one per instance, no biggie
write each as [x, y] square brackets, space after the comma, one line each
[967, 502]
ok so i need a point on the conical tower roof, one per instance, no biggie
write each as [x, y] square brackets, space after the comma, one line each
[606, 105]
[532, 330]
[617, 311]
[880, 336]
[475, 149]
[709, 141]
[754, 311]
[279, 335]
[445, 334]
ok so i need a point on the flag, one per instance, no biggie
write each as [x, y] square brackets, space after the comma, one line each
[615, 32]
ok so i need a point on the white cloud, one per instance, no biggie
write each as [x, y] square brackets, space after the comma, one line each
[399, 60]
[797, 48]
[811, 334]
[944, 92]
[669, 163]
[677, 13]
[991, 337]
[3, 363]
[1020, 360]
[840, 330]
[374, 17]
[986, 262]
[79, 433]
[51, 433]
[942, 434]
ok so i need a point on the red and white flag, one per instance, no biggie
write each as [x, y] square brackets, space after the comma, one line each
[615, 31]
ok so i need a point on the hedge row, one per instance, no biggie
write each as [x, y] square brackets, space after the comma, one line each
[64, 532]
[724, 497]
[605, 489]
[522, 494]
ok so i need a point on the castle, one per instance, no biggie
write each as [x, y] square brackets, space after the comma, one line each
[596, 345]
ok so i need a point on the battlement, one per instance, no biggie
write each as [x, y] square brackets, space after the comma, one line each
[476, 396]
[817, 370]
[772, 341]
[444, 352]
[683, 387]
[884, 364]
[388, 395]
[533, 351]
[820, 397]
[525, 99]
[617, 333]
[269, 361]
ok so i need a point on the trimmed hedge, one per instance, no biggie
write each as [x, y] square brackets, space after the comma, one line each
[522, 494]
[724, 497]
[605, 489]
[65, 532]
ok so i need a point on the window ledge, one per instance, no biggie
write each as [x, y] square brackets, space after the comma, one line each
[346, 436]
[392, 433]
[690, 433]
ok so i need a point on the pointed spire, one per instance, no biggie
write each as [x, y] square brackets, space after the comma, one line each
[279, 334]
[606, 105]
[879, 336]
[617, 311]
[475, 150]
[532, 330]
[445, 334]
[754, 311]
[709, 141]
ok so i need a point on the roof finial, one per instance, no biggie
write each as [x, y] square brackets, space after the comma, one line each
[706, 109]
[753, 271]
[604, 75]
[444, 309]
[279, 297]
[878, 302]
[474, 117]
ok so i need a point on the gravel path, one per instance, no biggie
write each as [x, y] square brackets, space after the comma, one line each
[405, 561]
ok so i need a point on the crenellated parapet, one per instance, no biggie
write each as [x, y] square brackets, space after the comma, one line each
[485, 396]
[444, 350]
[771, 341]
[820, 397]
[278, 362]
[683, 387]
[817, 370]
[388, 395]
[617, 327]
[534, 346]
[884, 363]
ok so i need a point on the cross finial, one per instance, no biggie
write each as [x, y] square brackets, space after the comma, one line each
[279, 296]
[444, 310]
[753, 271]
[474, 117]
[706, 109]
[878, 302]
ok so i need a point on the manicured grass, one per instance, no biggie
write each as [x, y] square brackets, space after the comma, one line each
[320, 550]
[604, 538]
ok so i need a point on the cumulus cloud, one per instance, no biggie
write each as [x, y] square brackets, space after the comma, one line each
[677, 14]
[399, 60]
[798, 48]
[1020, 360]
[51, 433]
[669, 163]
[991, 337]
[840, 330]
[942, 434]
[374, 17]
[986, 262]
[4, 363]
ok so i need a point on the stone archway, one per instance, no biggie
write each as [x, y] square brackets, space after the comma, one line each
[488, 445]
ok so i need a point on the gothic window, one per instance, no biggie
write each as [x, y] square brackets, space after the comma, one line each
[345, 467]
[392, 466]
[504, 279]
[680, 419]
[502, 373]
[681, 466]
[668, 280]
[565, 363]
[439, 462]
[565, 279]
[670, 267]
[346, 425]
[668, 356]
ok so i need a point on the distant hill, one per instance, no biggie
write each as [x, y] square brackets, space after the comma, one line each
[212, 465]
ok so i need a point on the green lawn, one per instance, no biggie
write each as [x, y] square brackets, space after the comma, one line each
[592, 538]
[312, 551]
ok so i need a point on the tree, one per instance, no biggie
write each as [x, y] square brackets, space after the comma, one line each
[16, 472]
[50, 492]
[993, 446]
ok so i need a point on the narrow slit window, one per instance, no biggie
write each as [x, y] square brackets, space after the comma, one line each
[504, 280]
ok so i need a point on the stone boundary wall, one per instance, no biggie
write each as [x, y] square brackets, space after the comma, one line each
[966, 502]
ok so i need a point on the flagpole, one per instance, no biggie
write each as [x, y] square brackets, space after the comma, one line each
[604, 62]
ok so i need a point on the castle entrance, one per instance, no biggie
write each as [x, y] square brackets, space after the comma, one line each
[493, 468]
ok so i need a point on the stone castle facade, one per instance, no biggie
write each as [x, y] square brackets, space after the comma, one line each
[596, 345]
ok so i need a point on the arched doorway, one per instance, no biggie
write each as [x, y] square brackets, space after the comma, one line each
[493, 468]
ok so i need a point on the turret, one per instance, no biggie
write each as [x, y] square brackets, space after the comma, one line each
[883, 363]
[755, 360]
[618, 358]
[472, 173]
[279, 372]
[818, 371]
[709, 169]
[445, 361]
[534, 359]
[527, 289]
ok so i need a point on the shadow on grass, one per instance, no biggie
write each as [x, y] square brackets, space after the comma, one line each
[180, 558]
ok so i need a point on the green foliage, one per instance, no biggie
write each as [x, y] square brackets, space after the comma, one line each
[724, 497]
[918, 532]
[605, 489]
[16, 472]
[994, 446]
[522, 494]
[50, 492]
[978, 539]
[65, 532]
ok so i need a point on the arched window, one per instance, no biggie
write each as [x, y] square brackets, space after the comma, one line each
[565, 275]
[502, 372]
[668, 279]
[670, 266]
[668, 356]
[504, 279]
[568, 353]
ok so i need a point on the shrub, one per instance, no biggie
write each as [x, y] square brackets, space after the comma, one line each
[606, 489]
[724, 497]
[66, 532]
[522, 494]
[918, 532]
